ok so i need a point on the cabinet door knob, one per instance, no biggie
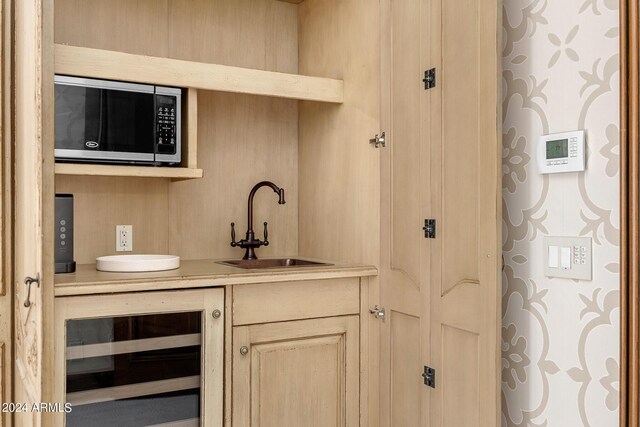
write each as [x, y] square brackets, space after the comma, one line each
[244, 350]
[216, 314]
[378, 313]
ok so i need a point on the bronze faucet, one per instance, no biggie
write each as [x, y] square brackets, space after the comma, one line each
[250, 242]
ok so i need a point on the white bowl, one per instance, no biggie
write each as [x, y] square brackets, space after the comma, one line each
[137, 263]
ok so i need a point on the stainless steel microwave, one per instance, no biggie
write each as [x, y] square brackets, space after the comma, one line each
[102, 121]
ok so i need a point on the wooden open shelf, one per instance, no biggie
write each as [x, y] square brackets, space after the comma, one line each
[105, 64]
[125, 170]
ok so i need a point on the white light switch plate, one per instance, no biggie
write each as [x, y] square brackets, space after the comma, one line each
[573, 257]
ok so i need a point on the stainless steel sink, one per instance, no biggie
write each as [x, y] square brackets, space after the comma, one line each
[271, 263]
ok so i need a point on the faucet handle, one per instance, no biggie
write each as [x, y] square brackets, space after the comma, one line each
[266, 235]
[233, 235]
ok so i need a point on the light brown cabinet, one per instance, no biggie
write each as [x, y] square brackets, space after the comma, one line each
[346, 199]
[297, 353]
[299, 373]
[292, 353]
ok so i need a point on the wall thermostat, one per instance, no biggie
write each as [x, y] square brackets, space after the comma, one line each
[561, 152]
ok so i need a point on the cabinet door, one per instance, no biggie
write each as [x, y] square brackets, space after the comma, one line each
[465, 199]
[440, 292]
[405, 185]
[33, 207]
[142, 359]
[292, 374]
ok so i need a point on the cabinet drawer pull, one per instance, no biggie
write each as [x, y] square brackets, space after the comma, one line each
[216, 314]
[244, 350]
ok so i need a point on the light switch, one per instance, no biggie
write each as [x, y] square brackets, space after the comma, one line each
[553, 257]
[565, 257]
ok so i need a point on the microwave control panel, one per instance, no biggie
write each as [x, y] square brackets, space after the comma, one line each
[166, 111]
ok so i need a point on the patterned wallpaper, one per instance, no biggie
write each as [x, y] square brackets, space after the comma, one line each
[560, 337]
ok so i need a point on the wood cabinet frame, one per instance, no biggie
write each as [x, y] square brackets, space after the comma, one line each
[207, 300]
[629, 214]
[6, 213]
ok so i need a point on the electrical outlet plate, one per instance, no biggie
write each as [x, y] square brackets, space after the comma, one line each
[124, 238]
[577, 257]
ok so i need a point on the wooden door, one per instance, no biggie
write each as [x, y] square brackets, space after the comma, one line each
[465, 200]
[33, 197]
[442, 162]
[301, 373]
[405, 181]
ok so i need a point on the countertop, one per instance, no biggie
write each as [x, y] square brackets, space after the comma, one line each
[196, 274]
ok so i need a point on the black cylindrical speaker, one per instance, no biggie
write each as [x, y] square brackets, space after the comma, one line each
[64, 234]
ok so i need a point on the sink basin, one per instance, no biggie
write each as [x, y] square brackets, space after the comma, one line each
[272, 263]
[137, 263]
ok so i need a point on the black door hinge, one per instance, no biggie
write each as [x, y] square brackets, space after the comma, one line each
[429, 376]
[429, 228]
[429, 79]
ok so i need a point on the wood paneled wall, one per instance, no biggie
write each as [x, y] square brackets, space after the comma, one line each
[242, 139]
[339, 170]
[101, 203]
[247, 139]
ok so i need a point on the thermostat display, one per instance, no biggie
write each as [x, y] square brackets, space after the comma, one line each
[561, 152]
[558, 149]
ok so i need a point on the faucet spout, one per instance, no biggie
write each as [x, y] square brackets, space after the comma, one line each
[279, 191]
[250, 242]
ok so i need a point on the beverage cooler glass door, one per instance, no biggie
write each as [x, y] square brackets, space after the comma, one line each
[146, 364]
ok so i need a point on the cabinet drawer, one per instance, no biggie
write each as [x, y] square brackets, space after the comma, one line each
[277, 302]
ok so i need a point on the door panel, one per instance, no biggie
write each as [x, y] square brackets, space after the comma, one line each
[404, 184]
[406, 386]
[280, 381]
[465, 199]
[460, 361]
[33, 207]
[405, 137]
[460, 144]
[300, 373]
